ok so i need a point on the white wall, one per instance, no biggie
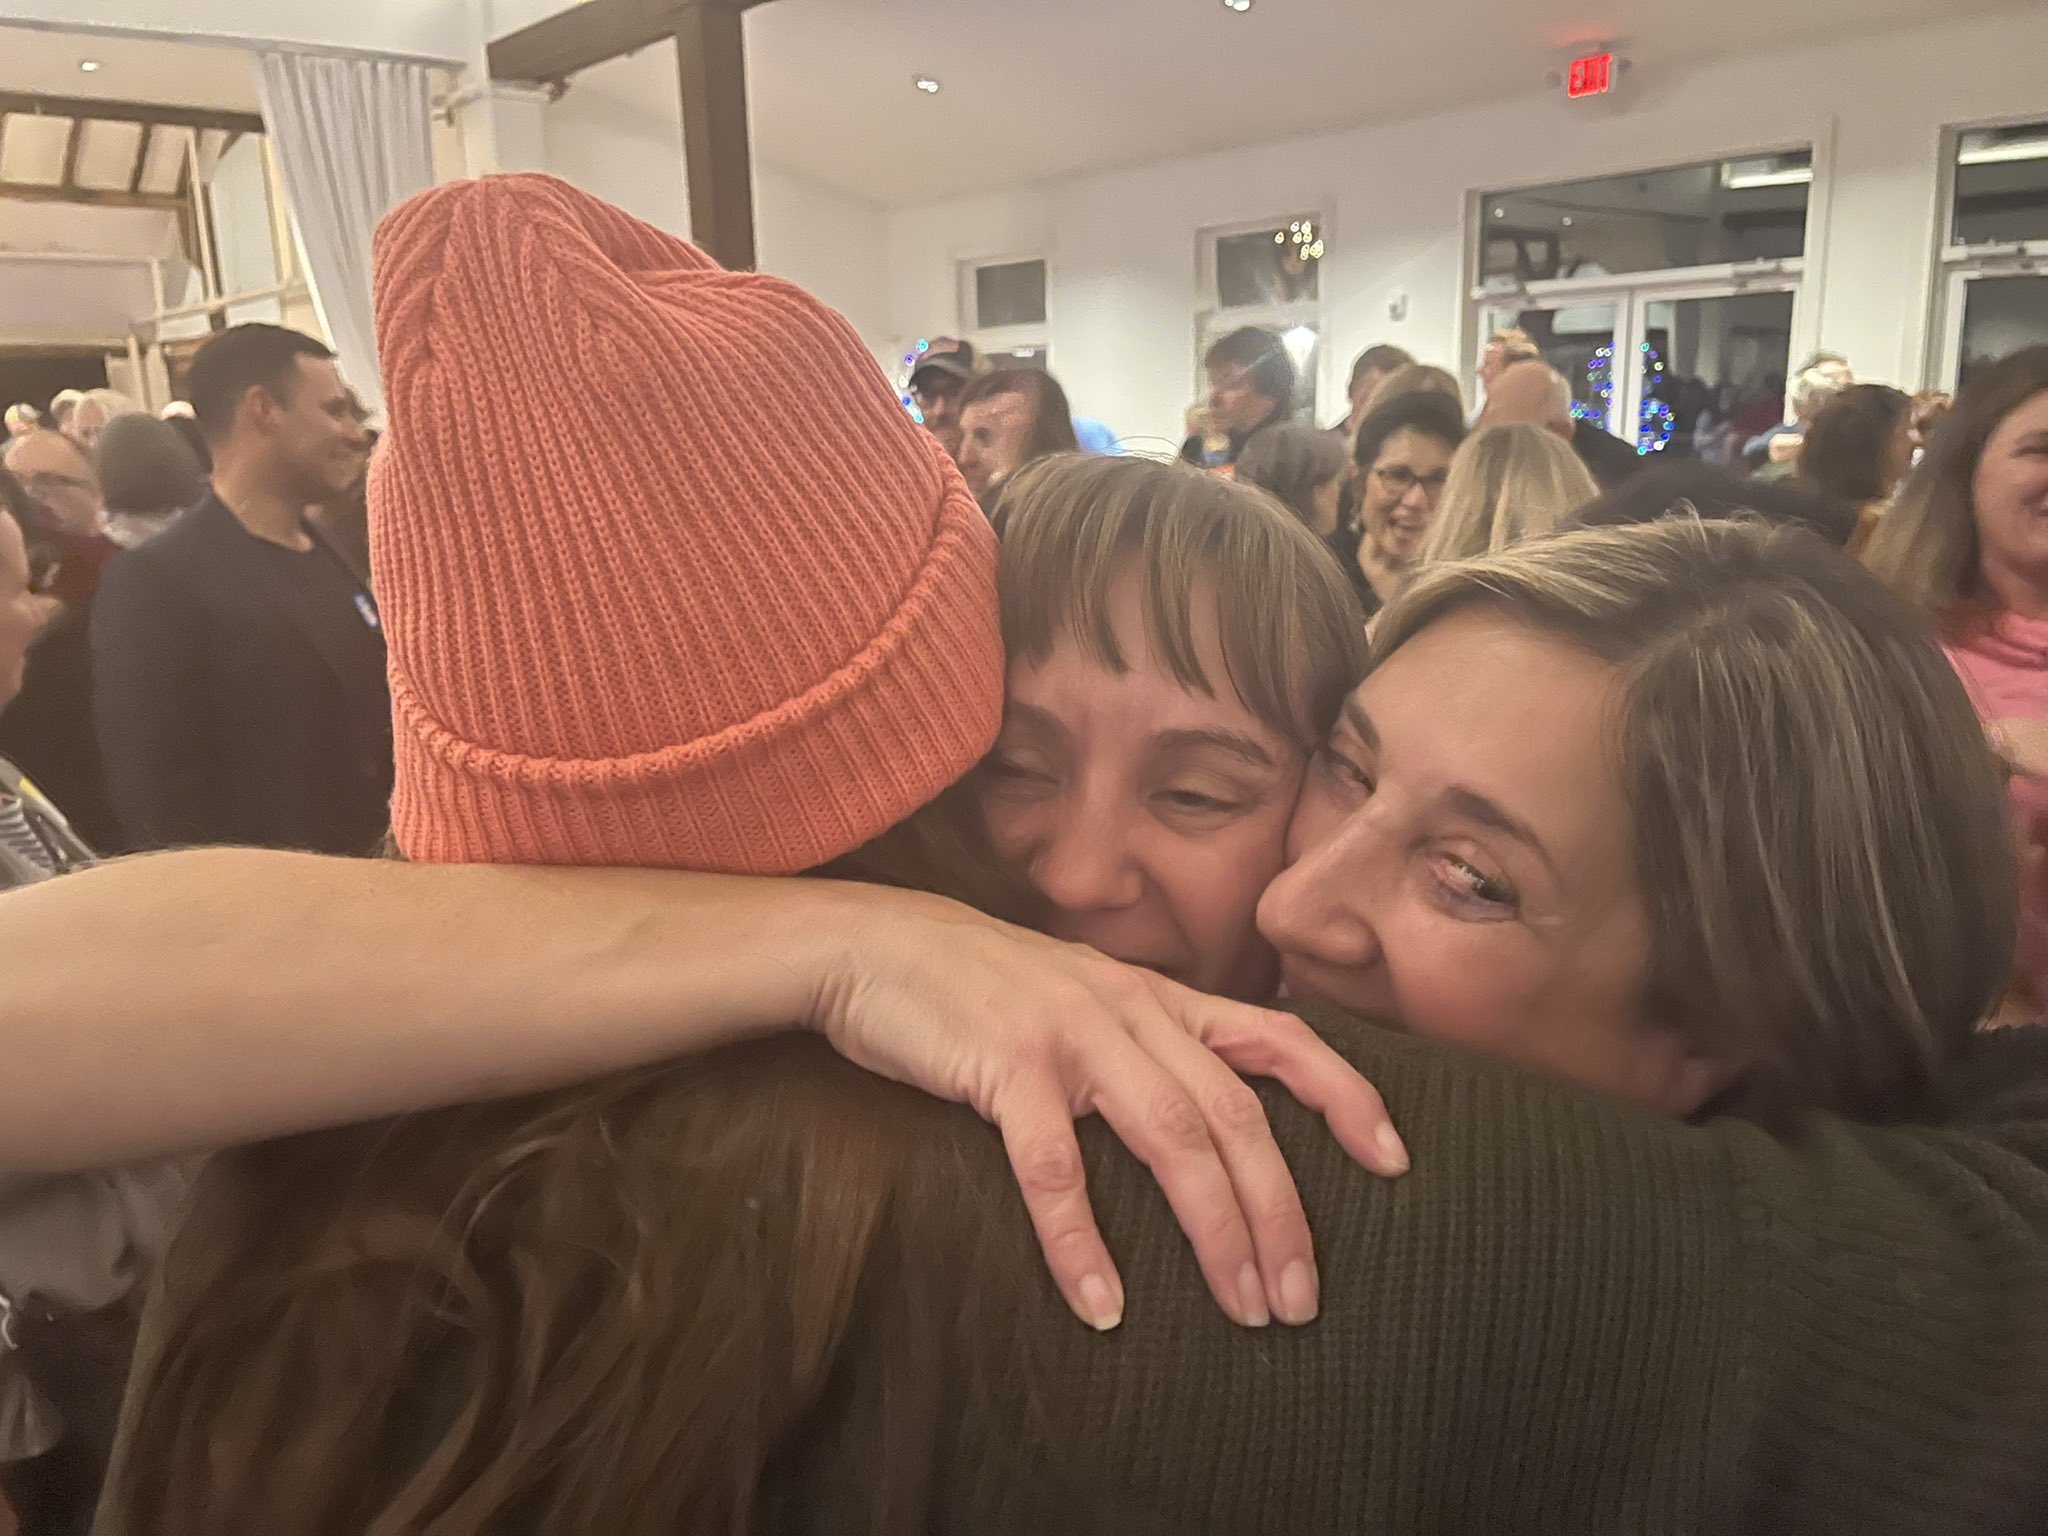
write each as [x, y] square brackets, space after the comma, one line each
[1122, 245]
[426, 29]
[598, 137]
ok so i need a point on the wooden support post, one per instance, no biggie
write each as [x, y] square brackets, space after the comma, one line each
[711, 62]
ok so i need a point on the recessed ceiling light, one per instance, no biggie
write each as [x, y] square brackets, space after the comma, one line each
[927, 84]
[1240, 6]
[89, 66]
[1567, 221]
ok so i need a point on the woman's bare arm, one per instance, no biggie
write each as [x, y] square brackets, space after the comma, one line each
[185, 1000]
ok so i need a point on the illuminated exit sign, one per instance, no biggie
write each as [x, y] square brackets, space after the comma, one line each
[1591, 76]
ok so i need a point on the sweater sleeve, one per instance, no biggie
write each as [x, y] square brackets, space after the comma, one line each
[1572, 1316]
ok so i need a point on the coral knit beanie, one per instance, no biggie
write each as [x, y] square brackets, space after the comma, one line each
[668, 575]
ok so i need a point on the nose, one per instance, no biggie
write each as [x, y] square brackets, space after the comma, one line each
[1085, 863]
[1419, 497]
[1320, 907]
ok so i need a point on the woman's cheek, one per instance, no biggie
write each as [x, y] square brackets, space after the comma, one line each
[1450, 982]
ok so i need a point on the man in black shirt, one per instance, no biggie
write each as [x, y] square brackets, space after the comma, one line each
[239, 659]
[1251, 387]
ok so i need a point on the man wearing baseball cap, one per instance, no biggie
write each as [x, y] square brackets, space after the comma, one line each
[936, 384]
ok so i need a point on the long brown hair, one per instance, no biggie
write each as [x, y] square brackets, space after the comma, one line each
[1818, 831]
[1926, 548]
[718, 1295]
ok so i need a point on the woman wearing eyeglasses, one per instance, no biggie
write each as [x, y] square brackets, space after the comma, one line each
[1400, 464]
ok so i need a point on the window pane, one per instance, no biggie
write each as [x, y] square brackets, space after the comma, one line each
[1693, 215]
[1023, 357]
[1011, 294]
[1713, 374]
[1269, 266]
[2002, 185]
[2001, 315]
[1572, 341]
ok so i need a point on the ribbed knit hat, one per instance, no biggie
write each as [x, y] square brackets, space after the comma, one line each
[668, 575]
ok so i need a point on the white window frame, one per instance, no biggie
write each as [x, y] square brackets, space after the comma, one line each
[1957, 266]
[1213, 320]
[1003, 338]
[1632, 293]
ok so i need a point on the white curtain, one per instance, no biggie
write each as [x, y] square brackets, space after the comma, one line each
[353, 140]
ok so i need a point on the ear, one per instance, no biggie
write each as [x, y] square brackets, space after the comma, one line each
[258, 407]
[1675, 1075]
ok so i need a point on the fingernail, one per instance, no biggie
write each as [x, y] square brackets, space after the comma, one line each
[1251, 1298]
[1298, 1303]
[1393, 1150]
[1099, 1299]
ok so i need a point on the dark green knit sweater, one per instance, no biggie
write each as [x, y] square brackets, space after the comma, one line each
[1571, 1317]
[1574, 1317]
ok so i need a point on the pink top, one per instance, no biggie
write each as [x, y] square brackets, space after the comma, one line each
[2006, 671]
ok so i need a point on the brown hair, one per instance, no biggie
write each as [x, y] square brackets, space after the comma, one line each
[1428, 411]
[1262, 355]
[1291, 640]
[1052, 418]
[1383, 357]
[718, 1295]
[1844, 451]
[1507, 484]
[1926, 548]
[1819, 833]
[1291, 464]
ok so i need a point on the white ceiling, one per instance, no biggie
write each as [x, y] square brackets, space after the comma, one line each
[131, 69]
[1038, 88]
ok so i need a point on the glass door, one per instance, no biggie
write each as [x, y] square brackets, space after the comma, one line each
[1578, 340]
[1708, 372]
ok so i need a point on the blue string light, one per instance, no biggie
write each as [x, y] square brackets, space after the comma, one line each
[909, 368]
[1655, 423]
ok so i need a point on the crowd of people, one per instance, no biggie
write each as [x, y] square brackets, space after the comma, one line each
[796, 816]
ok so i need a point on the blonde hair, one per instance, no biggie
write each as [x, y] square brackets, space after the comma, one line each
[1507, 484]
[1074, 527]
[1516, 345]
[94, 410]
[1417, 379]
[1819, 829]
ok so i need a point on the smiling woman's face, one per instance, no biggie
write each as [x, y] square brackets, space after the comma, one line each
[1149, 815]
[1461, 863]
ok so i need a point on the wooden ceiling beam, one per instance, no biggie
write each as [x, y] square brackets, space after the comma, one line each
[89, 197]
[73, 143]
[556, 47]
[147, 113]
[711, 63]
[142, 138]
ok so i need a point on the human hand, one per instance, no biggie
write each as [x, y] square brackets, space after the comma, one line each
[1033, 1033]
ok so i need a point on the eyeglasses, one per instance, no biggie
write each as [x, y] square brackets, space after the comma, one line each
[1398, 480]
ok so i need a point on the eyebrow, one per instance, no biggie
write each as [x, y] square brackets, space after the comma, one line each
[1473, 806]
[1361, 722]
[1234, 742]
[1237, 743]
[1462, 800]
[1033, 718]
